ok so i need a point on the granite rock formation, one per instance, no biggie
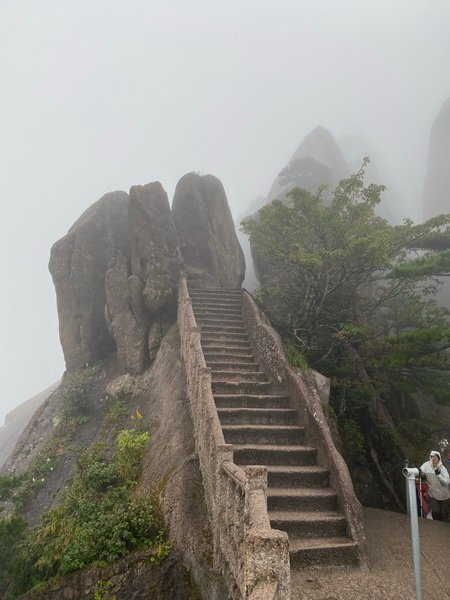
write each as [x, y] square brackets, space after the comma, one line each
[209, 246]
[317, 161]
[436, 194]
[116, 271]
[78, 264]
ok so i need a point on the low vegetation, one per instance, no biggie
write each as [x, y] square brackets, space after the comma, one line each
[102, 518]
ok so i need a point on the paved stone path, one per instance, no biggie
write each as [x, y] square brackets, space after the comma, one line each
[390, 573]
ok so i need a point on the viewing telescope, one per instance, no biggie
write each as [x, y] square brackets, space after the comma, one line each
[409, 472]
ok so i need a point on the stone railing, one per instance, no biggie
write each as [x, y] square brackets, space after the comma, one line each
[268, 348]
[253, 557]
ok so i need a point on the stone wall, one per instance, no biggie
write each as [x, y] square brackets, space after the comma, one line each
[252, 557]
[130, 578]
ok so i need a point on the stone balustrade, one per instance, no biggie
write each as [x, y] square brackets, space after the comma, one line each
[253, 557]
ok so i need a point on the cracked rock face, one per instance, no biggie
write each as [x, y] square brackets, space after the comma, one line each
[78, 264]
[209, 246]
[139, 290]
[154, 253]
[125, 315]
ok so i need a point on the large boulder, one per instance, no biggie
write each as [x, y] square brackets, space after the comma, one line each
[78, 263]
[436, 193]
[211, 251]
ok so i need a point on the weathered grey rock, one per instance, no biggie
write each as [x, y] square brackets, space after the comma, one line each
[78, 264]
[154, 253]
[154, 339]
[211, 251]
[17, 420]
[436, 193]
[317, 161]
[125, 314]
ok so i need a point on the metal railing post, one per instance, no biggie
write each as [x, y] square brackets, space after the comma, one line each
[408, 507]
[411, 475]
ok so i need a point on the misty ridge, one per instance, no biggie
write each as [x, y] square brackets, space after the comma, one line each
[101, 98]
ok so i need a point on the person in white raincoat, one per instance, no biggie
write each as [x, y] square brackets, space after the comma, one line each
[438, 481]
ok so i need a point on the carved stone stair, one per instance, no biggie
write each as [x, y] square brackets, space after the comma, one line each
[257, 420]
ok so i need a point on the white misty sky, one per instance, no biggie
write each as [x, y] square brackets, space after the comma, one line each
[99, 95]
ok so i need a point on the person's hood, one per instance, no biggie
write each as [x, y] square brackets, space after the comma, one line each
[438, 454]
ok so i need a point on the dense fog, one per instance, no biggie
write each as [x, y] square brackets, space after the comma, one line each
[100, 95]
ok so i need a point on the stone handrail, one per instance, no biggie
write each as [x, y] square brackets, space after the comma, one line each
[251, 556]
[269, 350]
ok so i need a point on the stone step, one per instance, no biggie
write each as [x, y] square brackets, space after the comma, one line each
[238, 375]
[205, 311]
[233, 365]
[215, 296]
[224, 343]
[221, 335]
[308, 525]
[217, 305]
[229, 351]
[332, 552]
[218, 322]
[214, 301]
[215, 317]
[263, 434]
[251, 400]
[241, 357]
[225, 329]
[294, 499]
[294, 476]
[209, 291]
[240, 387]
[257, 416]
[273, 454]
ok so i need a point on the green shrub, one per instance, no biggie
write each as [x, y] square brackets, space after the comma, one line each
[353, 440]
[131, 444]
[75, 392]
[100, 519]
[103, 591]
[295, 357]
[10, 484]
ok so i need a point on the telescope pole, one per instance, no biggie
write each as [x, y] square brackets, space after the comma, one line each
[412, 502]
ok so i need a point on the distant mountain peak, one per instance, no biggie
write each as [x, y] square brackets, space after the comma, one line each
[317, 161]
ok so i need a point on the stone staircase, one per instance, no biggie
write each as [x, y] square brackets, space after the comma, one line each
[257, 419]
